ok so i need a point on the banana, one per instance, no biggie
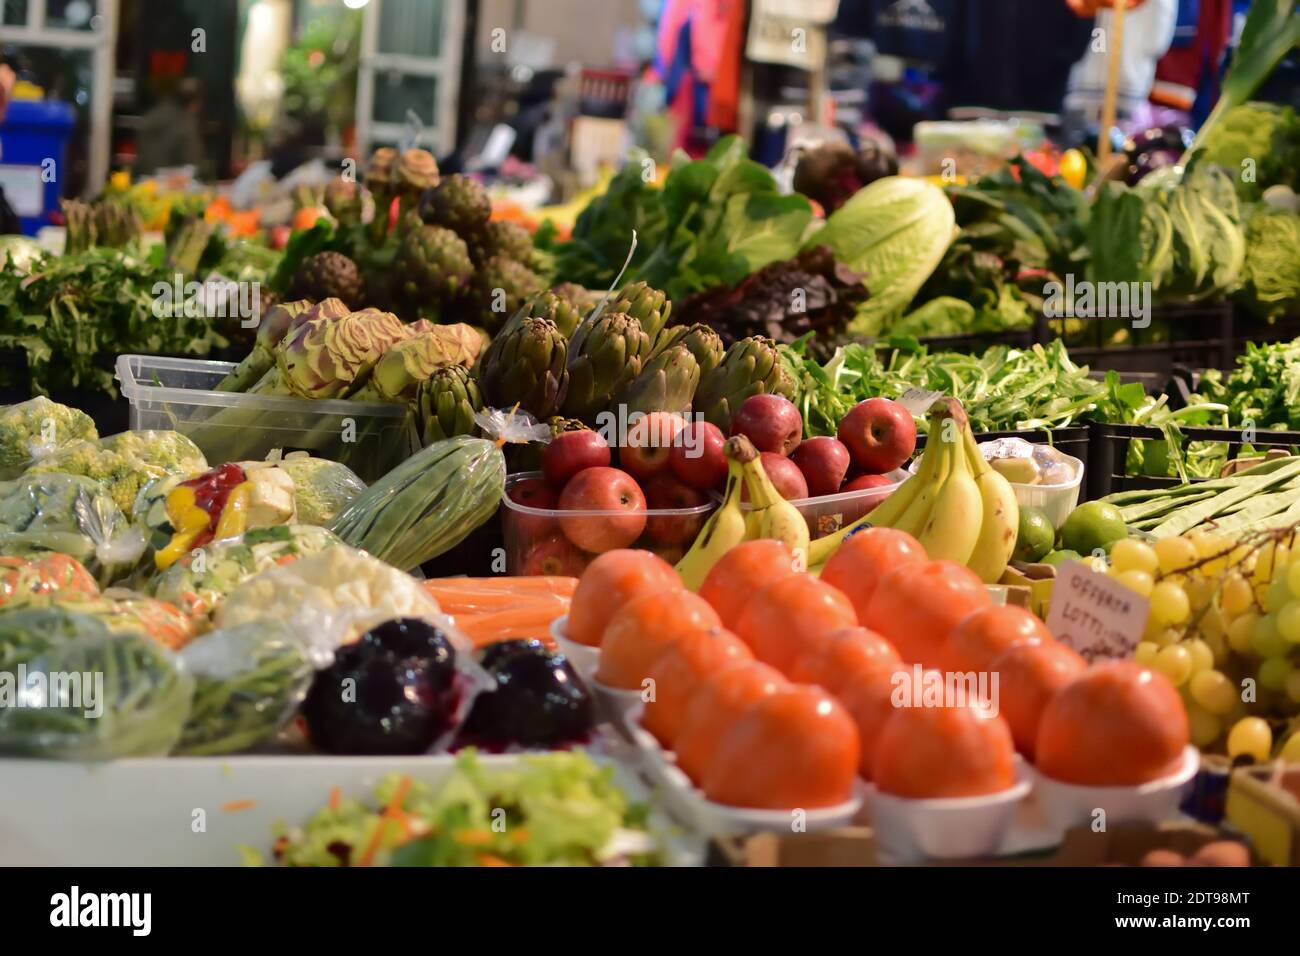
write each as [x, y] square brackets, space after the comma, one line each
[953, 525]
[938, 456]
[771, 516]
[723, 531]
[1001, 523]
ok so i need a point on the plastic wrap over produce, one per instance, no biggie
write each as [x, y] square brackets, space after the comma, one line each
[36, 429]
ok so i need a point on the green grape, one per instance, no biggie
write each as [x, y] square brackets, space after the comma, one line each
[1140, 582]
[1203, 728]
[1202, 656]
[1266, 641]
[1290, 751]
[1130, 554]
[1169, 604]
[1145, 653]
[1293, 581]
[1277, 595]
[1250, 737]
[1240, 631]
[1175, 662]
[1174, 554]
[1288, 621]
[1293, 686]
[1274, 671]
[1213, 691]
[1236, 596]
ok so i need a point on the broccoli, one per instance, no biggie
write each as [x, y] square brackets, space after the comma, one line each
[33, 429]
[126, 462]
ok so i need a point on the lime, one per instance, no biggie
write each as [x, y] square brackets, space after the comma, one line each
[1035, 537]
[1091, 527]
[1060, 557]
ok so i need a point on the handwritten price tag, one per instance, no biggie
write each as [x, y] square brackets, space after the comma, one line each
[1095, 615]
[918, 400]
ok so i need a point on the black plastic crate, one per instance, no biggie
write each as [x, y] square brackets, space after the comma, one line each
[975, 342]
[1110, 444]
[1201, 335]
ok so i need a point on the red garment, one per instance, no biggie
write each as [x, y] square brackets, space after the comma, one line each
[1183, 70]
[724, 95]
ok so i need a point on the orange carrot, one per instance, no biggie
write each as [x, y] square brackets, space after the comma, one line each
[390, 812]
[235, 806]
[335, 797]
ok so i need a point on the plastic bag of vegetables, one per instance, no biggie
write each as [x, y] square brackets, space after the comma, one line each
[198, 582]
[72, 515]
[428, 504]
[126, 612]
[321, 488]
[249, 680]
[71, 689]
[35, 429]
[126, 462]
[40, 578]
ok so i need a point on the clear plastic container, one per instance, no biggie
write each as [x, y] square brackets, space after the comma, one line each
[537, 541]
[176, 393]
[829, 513]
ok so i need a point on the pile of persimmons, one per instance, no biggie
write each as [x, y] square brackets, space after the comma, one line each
[776, 688]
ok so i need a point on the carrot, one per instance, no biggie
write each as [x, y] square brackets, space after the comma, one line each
[552, 584]
[506, 625]
[335, 797]
[235, 806]
[390, 812]
[489, 859]
[473, 838]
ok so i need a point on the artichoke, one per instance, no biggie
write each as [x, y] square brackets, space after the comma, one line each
[415, 174]
[561, 311]
[460, 204]
[328, 275]
[526, 365]
[605, 354]
[344, 202]
[648, 306]
[404, 365]
[582, 299]
[667, 383]
[751, 366]
[499, 289]
[325, 359]
[445, 404]
[275, 324]
[705, 344]
[432, 267]
[502, 238]
[380, 176]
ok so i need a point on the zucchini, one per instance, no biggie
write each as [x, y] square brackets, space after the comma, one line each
[428, 504]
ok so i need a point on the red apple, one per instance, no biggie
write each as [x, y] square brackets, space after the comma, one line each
[554, 555]
[824, 462]
[857, 509]
[785, 475]
[879, 434]
[664, 492]
[697, 457]
[649, 442]
[532, 493]
[608, 490]
[771, 422]
[570, 452]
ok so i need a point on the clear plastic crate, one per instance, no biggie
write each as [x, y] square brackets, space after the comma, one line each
[176, 393]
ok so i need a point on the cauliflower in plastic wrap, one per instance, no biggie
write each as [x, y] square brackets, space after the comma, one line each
[322, 488]
[32, 430]
[126, 462]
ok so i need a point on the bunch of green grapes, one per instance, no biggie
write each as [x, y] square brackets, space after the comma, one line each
[1223, 614]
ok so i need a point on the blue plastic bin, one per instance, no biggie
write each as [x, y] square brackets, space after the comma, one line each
[32, 132]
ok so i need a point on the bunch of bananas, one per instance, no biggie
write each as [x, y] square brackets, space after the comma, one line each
[956, 505]
[769, 516]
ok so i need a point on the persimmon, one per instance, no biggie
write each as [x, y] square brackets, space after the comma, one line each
[1029, 675]
[718, 702]
[781, 621]
[862, 561]
[916, 606]
[742, 572]
[834, 658]
[984, 634]
[609, 582]
[679, 670]
[868, 696]
[932, 752]
[641, 629]
[795, 748]
[1118, 724]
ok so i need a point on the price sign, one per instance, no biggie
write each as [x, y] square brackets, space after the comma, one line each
[918, 400]
[1095, 615]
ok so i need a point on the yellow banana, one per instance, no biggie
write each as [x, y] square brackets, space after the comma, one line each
[771, 515]
[724, 529]
[953, 526]
[1001, 524]
[938, 455]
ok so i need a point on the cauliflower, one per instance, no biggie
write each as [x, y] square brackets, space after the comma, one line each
[322, 488]
[126, 462]
[34, 429]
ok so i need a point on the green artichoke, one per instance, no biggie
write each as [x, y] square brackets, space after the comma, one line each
[705, 344]
[403, 366]
[502, 238]
[499, 289]
[343, 200]
[559, 425]
[325, 358]
[605, 354]
[275, 324]
[751, 366]
[667, 383]
[445, 404]
[559, 310]
[380, 182]
[328, 275]
[415, 173]
[432, 268]
[460, 204]
[526, 365]
[648, 306]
